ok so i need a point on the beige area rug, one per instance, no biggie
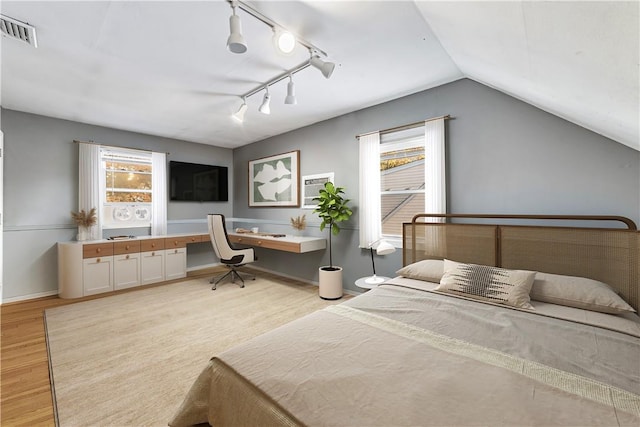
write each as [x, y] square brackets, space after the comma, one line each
[129, 359]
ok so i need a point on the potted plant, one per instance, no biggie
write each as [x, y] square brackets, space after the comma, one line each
[332, 209]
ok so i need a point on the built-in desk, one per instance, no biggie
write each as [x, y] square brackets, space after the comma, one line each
[92, 267]
[288, 243]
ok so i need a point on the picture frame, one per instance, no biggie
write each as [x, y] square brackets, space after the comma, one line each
[274, 181]
[311, 185]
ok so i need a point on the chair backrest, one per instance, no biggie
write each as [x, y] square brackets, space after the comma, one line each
[219, 238]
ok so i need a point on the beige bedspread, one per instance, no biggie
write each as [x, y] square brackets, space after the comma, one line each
[397, 356]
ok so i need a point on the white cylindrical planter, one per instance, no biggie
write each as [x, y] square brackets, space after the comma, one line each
[330, 282]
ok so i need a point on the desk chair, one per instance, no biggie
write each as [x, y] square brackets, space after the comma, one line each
[232, 258]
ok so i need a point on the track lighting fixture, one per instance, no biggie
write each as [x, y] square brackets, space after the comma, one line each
[325, 67]
[264, 107]
[239, 115]
[291, 97]
[235, 42]
[285, 42]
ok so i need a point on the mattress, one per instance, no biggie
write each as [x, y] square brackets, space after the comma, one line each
[402, 354]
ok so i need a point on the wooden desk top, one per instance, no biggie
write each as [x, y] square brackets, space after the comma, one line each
[288, 243]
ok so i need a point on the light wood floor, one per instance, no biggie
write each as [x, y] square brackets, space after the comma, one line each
[25, 391]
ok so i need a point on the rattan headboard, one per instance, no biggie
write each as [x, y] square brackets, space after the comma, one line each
[527, 242]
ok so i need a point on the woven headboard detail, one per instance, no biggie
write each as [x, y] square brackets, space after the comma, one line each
[606, 254]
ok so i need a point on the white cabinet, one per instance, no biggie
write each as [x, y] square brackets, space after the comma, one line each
[97, 275]
[175, 263]
[152, 261]
[126, 271]
[152, 264]
[87, 268]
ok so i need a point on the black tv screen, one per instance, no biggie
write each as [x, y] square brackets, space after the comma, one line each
[198, 183]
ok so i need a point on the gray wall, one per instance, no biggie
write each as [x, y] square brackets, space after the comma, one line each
[503, 156]
[41, 189]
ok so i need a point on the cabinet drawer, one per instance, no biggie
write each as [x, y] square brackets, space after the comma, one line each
[97, 249]
[194, 239]
[128, 247]
[175, 242]
[151, 245]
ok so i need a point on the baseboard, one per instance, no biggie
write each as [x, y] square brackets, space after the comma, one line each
[28, 297]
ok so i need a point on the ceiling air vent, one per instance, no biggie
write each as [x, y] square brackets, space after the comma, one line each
[18, 30]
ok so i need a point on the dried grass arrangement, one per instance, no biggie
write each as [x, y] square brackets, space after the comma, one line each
[299, 223]
[84, 219]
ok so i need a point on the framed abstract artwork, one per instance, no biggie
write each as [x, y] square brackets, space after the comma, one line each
[275, 180]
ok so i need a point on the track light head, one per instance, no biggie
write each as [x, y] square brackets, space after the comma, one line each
[291, 96]
[284, 41]
[239, 115]
[325, 67]
[235, 42]
[264, 107]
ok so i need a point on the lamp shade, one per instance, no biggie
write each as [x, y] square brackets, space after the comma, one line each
[264, 107]
[235, 42]
[291, 96]
[326, 68]
[239, 115]
[385, 248]
[284, 41]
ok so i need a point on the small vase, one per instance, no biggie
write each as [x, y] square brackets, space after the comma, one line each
[83, 234]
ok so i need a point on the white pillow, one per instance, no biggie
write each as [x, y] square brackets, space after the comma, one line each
[487, 283]
[578, 292]
[429, 270]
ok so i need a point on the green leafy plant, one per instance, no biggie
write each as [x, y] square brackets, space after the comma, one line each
[332, 209]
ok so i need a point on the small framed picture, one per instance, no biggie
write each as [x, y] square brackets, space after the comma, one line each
[274, 180]
[311, 186]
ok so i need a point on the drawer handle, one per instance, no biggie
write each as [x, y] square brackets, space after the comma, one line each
[153, 245]
[98, 260]
[259, 242]
[127, 247]
[153, 254]
[127, 257]
[175, 243]
[176, 251]
[99, 250]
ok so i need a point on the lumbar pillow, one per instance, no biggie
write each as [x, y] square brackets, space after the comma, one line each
[487, 283]
[429, 270]
[578, 292]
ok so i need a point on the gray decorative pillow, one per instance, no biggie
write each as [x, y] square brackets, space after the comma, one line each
[578, 292]
[429, 270]
[487, 283]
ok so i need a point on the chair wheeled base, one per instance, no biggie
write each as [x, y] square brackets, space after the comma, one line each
[233, 273]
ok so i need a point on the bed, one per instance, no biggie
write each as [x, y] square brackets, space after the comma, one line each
[553, 340]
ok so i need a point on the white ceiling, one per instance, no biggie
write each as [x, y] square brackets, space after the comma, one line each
[162, 68]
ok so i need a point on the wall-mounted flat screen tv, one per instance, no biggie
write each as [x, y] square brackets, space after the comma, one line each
[193, 182]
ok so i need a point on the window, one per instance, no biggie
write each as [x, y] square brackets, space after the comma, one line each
[410, 179]
[126, 188]
[402, 190]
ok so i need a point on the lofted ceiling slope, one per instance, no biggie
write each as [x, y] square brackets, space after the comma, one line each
[162, 68]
